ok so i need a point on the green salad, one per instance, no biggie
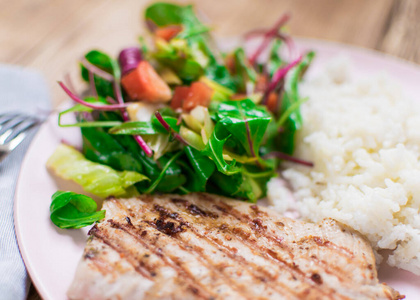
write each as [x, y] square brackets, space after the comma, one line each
[177, 115]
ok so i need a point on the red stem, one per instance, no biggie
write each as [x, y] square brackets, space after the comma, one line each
[279, 75]
[285, 156]
[97, 71]
[267, 37]
[169, 129]
[94, 106]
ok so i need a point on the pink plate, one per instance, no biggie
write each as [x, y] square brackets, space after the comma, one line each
[51, 254]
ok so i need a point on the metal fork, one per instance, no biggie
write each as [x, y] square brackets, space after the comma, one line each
[14, 128]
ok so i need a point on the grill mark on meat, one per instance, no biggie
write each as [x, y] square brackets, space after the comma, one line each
[253, 231]
[101, 265]
[260, 229]
[230, 252]
[204, 260]
[326, 243]
[211, 267]
[165, 212]
[194, 209]
[257, 225]
[137, 234]
[293, 269]
[138, 267]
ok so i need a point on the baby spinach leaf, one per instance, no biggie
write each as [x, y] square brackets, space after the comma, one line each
[101, 147]
[104, 62]
[237, 185]
[245, 121]
[71, 210]
[202, 167]
[156, 182]
[164, 14]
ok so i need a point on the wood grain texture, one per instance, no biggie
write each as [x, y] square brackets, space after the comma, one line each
[402, 35]
[51, 35]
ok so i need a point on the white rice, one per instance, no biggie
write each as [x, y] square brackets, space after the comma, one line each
[364, 138]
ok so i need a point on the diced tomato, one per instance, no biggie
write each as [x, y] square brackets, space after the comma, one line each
[180, 94]
[168, 32]
[199, 94]
[272, 101]
[143, 83]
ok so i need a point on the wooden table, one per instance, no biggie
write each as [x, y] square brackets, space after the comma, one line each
[50, 35]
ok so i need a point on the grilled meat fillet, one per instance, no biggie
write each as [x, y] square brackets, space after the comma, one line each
[202, 246]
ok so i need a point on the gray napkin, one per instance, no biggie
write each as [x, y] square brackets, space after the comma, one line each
[21, 90]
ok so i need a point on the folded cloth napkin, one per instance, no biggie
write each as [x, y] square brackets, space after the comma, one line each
[25, 91]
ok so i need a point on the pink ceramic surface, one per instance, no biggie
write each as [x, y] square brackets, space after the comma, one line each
[51, 254]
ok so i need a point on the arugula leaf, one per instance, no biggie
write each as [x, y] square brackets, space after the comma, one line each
[245, 121]
[71, 210]
[214, 150]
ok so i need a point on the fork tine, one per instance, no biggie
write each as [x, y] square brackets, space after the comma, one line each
[14, 142]
[4, 118]
[11, 122]
[21, 127]
[14, 127]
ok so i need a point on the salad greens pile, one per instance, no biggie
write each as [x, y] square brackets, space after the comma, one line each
[181, 116]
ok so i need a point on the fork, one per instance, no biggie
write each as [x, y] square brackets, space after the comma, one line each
[14, 128]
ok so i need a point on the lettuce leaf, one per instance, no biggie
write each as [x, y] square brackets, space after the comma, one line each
[98, 179]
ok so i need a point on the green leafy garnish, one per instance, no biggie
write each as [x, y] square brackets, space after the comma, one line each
[246, 122]
[71, 210]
